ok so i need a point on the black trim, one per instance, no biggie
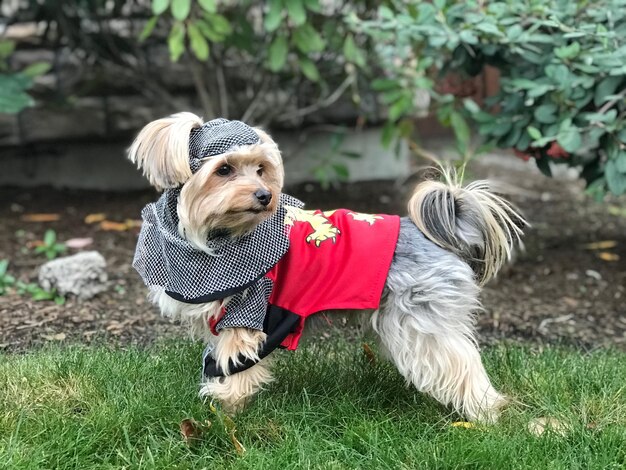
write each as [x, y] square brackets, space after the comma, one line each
[214, 295]
[279, 323]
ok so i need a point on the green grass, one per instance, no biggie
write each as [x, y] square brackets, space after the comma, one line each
[329, 408]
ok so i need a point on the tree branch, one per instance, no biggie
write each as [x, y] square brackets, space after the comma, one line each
[298, 113]
[205, 99]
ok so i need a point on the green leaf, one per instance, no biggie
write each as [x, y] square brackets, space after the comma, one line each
[6, 48]
[615, 180]
[341, 171]
[208, 5]
[488, 28]
[468, 37]
[387, 134]
[620, 161]
[349, 48]
[534, 133]
[148, 28]
[546, 113]
[4, 266]
[461, 131]
[197, 41]
[176, 41]
[220, 24]
[208, 32]
[36, 69]
[296, 11]
[309, 69]
[180, 9]
[570, 139]
[307, 39]
[543, 164]
[471, 106]
[274, 16]
[50, 237]
[313, 5]
[399, 108]
[159, 6]
[606, 87]
[385, 84]
[277, 53]
[568, 52]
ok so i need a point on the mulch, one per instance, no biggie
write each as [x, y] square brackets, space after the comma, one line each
[559, 290]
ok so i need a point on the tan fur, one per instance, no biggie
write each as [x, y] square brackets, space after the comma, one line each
[209, 201]
[233, 390]
[162, 150]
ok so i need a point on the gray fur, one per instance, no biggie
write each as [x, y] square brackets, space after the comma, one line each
[426, 325]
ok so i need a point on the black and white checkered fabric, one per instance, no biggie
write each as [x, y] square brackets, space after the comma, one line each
[166, 260]
[218, 137]
[247, 309]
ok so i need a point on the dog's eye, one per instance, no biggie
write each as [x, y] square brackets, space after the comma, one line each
[260, 171]
[224, 170]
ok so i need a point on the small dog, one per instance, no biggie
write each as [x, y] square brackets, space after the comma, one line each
[244, 265]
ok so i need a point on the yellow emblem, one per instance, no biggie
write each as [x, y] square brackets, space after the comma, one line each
[323, 229]
[369, 218]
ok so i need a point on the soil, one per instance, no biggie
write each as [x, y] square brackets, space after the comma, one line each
[557, 290]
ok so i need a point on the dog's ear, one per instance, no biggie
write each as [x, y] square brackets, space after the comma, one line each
[272, 151]
[161, 150]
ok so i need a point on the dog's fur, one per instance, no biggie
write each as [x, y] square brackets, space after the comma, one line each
[456, 240]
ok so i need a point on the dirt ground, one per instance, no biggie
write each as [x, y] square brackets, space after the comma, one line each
[557, 290]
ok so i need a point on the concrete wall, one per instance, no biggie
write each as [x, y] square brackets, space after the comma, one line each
[102, 165]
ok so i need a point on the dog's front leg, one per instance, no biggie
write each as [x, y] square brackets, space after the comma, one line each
[235, 390]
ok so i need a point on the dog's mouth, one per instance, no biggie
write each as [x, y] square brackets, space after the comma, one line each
[252, 210]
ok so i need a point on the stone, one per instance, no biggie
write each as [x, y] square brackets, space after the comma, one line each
[83, 275]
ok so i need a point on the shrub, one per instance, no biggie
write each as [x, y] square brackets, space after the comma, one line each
[563, 76]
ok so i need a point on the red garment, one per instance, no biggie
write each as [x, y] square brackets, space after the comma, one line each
[336, 260]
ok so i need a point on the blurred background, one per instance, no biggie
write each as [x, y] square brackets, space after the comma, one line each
[359, 95]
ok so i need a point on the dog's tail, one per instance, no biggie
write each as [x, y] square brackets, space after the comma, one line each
[477, 225]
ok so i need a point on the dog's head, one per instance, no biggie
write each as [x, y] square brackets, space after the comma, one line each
[231, 174]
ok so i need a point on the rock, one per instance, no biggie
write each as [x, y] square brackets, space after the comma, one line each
[82, 275]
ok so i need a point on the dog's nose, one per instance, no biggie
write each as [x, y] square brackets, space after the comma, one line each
[263, 196]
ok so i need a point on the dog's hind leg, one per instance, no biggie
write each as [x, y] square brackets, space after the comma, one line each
[447, 366]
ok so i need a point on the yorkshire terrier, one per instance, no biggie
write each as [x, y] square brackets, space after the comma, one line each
[224, 250]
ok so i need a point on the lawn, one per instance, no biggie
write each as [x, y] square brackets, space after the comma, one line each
[330, 407]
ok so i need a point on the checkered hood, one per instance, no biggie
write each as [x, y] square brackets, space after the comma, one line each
[218, 137]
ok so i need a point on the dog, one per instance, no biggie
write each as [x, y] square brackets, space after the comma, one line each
[244, 265]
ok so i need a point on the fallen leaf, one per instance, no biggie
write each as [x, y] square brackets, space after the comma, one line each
[133, 223]
[601, 245]
[95, 218]
[57, 337]
[40, 217]
[369, 354]
[463, 424]
[113, 226]
[78, 243]
[606, 256]
[573, 303]
[538, 426]
[239, 448]
[616, 210]
[190, 429]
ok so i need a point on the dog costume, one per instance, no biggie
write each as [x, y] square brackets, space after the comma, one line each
[292, 265]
